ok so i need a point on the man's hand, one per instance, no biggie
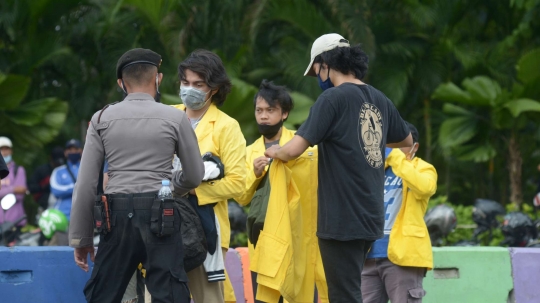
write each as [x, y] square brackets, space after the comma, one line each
[19, 190]
[259, 164]
[271, 152]
[81, 256]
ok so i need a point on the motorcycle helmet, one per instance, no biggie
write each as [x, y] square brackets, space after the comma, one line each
[518, 229]
[485, 212]
[440, 221]
[52, 220]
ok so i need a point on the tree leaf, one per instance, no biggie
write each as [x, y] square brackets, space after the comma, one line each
[170, 99]
[476, 153]
[13, 88]
[450, 108]
[302, 105]
[528, 67]
[456, 131]
[483, 90]
[450, 92]
[519, 106]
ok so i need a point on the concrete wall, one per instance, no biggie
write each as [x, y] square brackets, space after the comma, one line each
[40, 274]
[469, 275]
[526, 274]
[461, 274]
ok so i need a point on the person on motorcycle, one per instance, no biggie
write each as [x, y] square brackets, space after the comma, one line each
[397, 263]
[14, 183]
[63, 179]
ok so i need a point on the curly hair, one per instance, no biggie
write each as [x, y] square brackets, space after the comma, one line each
[346, 60]
[209, 67]
[273, 94]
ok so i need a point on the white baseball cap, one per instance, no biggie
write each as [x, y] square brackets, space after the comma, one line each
[4, 141]
[323, 44]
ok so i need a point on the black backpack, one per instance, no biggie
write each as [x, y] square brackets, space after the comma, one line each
[193, 238]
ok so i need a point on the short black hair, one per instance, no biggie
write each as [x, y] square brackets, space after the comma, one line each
[139, 74]
[414, 131]
[274, 94]
[209, 67]
[346, 60]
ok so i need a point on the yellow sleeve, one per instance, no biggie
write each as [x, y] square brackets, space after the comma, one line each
[251, 180]
[232, 152]
[421, 178]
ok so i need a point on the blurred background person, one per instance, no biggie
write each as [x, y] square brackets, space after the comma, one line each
[63, 179]
[14, 183]
[39, 183]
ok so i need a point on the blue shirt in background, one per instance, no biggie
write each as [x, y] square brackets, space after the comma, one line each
[393, 197]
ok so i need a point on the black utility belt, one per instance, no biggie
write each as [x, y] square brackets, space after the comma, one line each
[162, 211]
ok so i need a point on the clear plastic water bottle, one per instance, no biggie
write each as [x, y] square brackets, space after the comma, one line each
[165, 191]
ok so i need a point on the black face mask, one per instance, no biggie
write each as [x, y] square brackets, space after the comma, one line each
[269, 131]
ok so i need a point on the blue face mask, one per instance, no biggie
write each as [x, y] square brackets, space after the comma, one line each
[74, 158]
[325, 84]
[7, 159]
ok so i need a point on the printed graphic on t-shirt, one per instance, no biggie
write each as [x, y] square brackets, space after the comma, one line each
[393, 194]
[370, 133]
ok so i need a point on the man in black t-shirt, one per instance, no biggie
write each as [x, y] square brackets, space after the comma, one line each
[351, 122]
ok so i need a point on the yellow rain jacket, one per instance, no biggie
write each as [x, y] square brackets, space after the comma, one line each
[409, 239]
[280, 240]
[307, 261]
[221, 135]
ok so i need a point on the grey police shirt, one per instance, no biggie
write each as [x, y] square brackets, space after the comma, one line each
[139, 138]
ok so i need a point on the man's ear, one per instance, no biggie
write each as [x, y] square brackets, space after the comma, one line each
[284, 116]
[416, 148]
[119, 82]
[160, 77]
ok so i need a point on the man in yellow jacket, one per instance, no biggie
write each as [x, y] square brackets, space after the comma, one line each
[204, 85]
[397, 263]
[272, 107]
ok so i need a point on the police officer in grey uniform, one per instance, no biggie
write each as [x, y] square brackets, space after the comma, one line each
[139, 137]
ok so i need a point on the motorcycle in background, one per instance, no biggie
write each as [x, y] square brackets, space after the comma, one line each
[441, 220]
[9, 230]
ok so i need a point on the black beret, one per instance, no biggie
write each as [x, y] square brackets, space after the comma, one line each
[137, 56]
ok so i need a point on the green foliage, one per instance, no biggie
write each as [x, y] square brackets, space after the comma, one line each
[418, 51]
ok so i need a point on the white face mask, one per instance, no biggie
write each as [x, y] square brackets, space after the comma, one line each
[193, 98]
[7, 159]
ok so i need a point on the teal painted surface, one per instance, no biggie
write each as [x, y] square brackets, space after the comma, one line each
[485, 275]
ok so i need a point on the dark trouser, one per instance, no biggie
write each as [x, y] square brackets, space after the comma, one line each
[383, 280]
[129, 243]
[343, 262]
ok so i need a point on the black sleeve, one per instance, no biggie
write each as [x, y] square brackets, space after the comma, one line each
[397, 128]
[320, 121]
[4, 171]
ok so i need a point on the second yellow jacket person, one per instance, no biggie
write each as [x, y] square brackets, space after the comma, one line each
[307, 261]
[221, 135]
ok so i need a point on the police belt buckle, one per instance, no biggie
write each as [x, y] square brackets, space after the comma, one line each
[162, 217]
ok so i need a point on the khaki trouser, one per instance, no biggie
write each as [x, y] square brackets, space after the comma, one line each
[383, 280]
[201, 290]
